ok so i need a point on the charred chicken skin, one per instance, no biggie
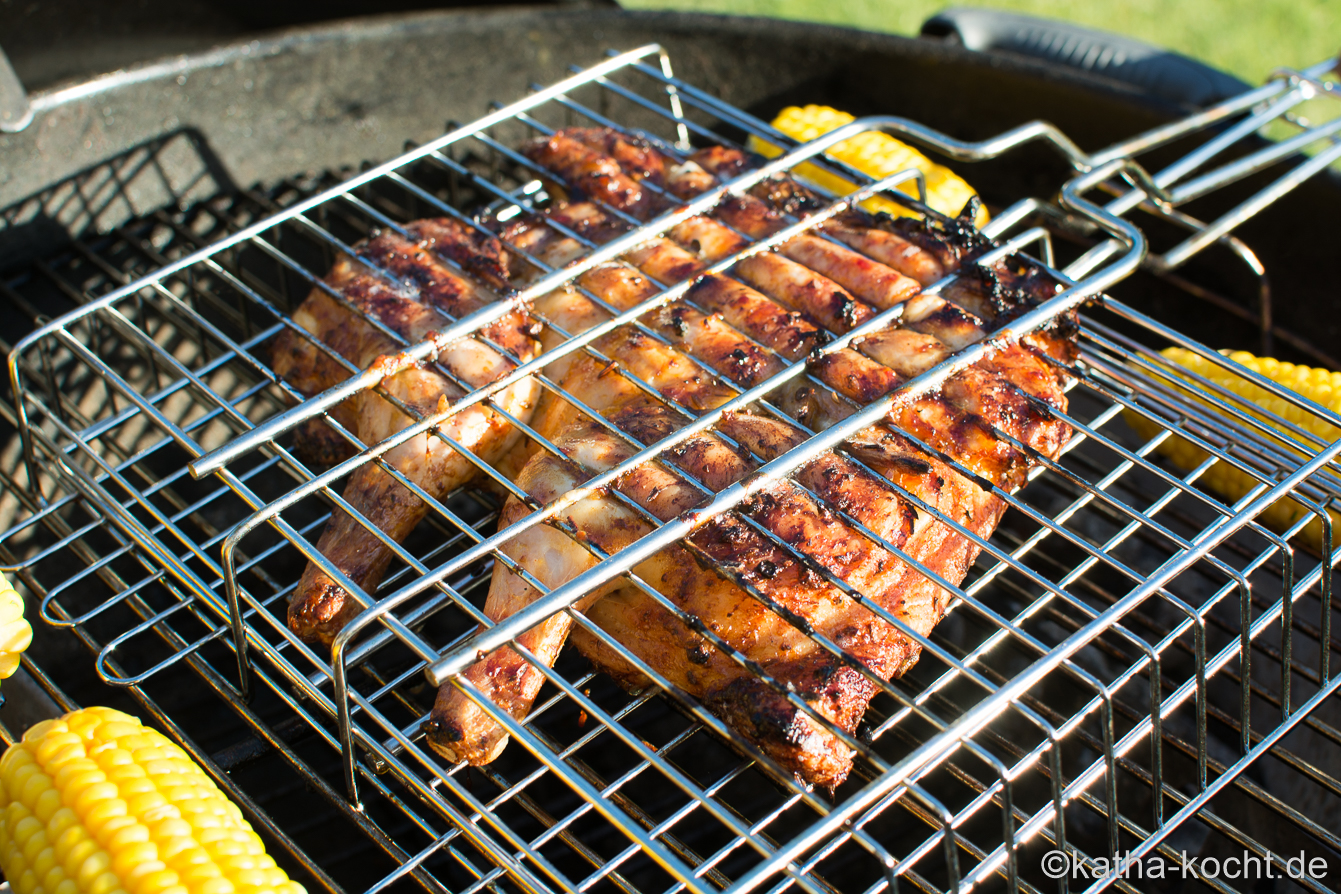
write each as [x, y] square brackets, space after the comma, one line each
[405, 283]
[821, 583]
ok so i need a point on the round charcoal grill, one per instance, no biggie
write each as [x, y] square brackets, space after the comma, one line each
[120, 547]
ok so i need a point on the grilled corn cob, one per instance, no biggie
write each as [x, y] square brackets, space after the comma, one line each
[1229, 483]
[15, 633]
[96, 803]
[874, 153]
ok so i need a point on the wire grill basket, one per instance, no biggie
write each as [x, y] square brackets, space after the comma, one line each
[1127, 644]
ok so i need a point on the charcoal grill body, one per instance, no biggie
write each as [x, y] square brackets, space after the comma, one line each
[334, 96]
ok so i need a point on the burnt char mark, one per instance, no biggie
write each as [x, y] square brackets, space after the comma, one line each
[731, 545]
[999, 292]
[991, 398]
[847, 487]
[910, 464]
[963, 436]
[635, 154]
[676, 378]
[721, 161]
[788, 196]
[849, 310]
[746, 365]
[324, 609]
[319, 446]
[590, 174]
[649, 424]
[459, 730]
[711, 461]
[371, 296]
[893, 455]
[749, 215]
[785, 331]
[673, 319]
[805, 290]
[733, 357]
[954, 241]
[1003, 290]
[855, 376]
[417, 268]
[588, 221]
[922, 235]
[436, 287]
[478, 253]
[792, 738]
[1058, 340]
[1028, 283]
[706, 458]
[1007, 288]
[816, 531]
[1001, 391]
[513, 333]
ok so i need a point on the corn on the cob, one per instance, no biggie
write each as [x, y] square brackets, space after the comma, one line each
[874, 153]
[1229, 483]
[96, 803]
[15, 632]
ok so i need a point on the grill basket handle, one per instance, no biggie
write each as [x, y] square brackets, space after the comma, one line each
[1158, 72]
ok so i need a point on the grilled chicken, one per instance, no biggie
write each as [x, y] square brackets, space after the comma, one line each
[829, 582]
[403, 283]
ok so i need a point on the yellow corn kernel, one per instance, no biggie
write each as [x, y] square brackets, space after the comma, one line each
[96, 803]
[1229, 483]
[874, 153]
[15, 633]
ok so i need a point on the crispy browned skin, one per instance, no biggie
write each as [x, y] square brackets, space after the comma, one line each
[780, 320]
[698, 331]
[460, 729]
[835, 691]
[588, 173]
[413, 295]
[736, 332]
[726, 574]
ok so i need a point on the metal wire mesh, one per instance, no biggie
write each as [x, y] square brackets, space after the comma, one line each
[1114, 585]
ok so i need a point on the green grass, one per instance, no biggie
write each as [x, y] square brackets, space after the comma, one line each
[1247, 38]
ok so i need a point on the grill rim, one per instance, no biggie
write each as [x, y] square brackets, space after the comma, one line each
[137, 93]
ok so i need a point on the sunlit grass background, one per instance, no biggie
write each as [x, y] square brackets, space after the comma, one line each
[1247, 38]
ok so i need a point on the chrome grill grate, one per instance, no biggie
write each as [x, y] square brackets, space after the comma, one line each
[1113, 583]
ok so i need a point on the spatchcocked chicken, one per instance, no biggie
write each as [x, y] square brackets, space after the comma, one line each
[798, 573]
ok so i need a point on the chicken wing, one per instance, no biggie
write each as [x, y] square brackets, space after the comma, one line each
[402, 282]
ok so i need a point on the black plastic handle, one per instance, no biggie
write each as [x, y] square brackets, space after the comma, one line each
[1170, 76]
